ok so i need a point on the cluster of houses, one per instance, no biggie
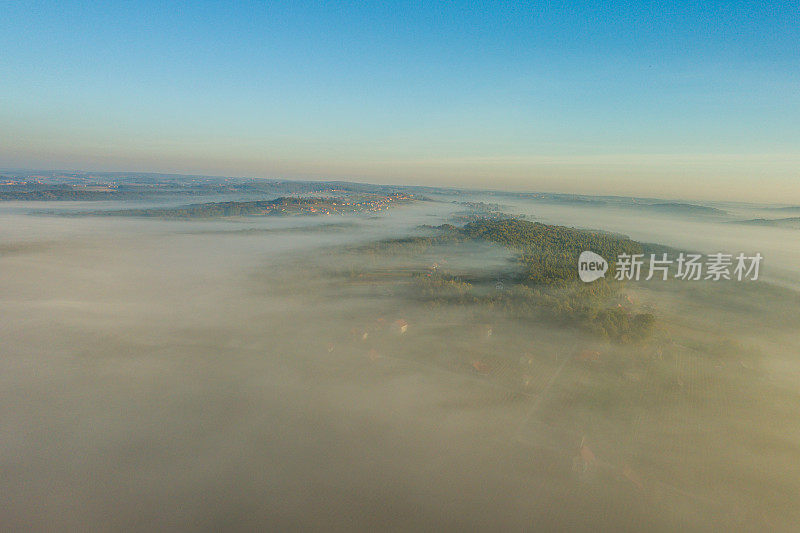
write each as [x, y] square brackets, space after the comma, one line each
[353, 205]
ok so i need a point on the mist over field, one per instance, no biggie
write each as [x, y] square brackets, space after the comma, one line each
[302, 372]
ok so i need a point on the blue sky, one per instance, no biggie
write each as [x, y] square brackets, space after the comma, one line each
[700, 99]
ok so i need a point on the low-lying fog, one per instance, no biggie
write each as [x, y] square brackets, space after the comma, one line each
[706, 234]
[217, 375]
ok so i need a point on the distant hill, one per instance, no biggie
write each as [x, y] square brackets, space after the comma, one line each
[280, 206]
[788, 209]
[790, 222]
[54, 186]
[570, 200]
[681, 208]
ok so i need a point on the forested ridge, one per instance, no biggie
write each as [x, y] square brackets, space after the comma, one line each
[543, 285]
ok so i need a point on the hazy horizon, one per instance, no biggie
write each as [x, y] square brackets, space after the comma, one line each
[694, 102]
[749, 200]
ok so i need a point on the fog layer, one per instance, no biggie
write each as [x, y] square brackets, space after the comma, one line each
[255, 374]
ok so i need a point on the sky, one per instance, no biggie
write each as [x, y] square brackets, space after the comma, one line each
[692, 100]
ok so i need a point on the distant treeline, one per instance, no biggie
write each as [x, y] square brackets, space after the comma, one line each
[125, 186]
[214, 209]
[278, 206]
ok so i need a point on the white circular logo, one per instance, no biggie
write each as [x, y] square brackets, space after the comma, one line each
[591, 266]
